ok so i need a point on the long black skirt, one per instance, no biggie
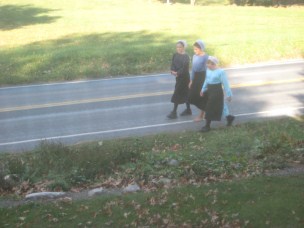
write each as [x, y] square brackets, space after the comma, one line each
[181, 91]
[195, 90]
[215, 103]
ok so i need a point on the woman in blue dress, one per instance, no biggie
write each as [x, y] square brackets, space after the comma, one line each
[197, 79]
[216, 80]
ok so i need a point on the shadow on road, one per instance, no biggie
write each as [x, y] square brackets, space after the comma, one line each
[300, 98]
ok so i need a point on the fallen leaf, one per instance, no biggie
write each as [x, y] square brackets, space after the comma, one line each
[127, 214]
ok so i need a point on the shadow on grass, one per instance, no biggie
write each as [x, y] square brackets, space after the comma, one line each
[197, 2]
[13, 17]
[89, 57]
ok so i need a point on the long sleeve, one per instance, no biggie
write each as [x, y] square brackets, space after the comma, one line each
[192, 70]
[204, 87]
[226, 85]
[172, 63]
[192, 75]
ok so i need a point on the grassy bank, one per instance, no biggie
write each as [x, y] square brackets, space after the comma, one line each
[56, 41]
[217, 179]
[242, 151]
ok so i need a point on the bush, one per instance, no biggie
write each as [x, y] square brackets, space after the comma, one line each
[266, 2]
[52, 158]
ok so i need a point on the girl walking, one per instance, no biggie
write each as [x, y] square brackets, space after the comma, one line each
[197, 78]
[216, 79]
[180, 70]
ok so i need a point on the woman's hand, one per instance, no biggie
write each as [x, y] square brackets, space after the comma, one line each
[174, 73]
[202, 93]
[190, 84]
[229, 99]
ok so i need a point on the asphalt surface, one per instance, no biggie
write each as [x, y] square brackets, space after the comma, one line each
[80, 111]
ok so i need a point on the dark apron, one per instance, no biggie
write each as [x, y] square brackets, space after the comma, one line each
[181, 91]
[194, 93]
[215, 103]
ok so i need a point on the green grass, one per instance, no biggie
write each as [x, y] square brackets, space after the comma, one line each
[219, 179]
[56, 41]
[255, 202]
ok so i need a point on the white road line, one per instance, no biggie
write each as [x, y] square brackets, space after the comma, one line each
[275, 112]
[96, 133]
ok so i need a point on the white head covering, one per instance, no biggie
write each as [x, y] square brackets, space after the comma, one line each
[183, 42]
[213, 59]
[201, 44]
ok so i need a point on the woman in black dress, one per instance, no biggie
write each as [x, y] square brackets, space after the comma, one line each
[180, 70]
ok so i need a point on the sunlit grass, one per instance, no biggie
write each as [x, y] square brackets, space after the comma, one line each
[94, 39]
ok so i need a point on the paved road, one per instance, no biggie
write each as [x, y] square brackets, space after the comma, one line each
[135, 106]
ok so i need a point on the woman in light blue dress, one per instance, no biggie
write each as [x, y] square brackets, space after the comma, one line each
[216, 80]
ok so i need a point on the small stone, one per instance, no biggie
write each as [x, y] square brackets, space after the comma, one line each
[131, 188]
[11, 180]
[55, 220]
[44, 195]
[173, 162]
[96, 191]
[164, 181]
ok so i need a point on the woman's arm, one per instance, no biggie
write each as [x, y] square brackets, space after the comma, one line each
[225, 83]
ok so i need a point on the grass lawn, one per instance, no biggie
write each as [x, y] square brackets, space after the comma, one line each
[43, 41]
[218, 179]
[255, 202]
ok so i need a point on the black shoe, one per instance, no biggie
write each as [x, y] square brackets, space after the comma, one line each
[172, 115]
[186, 112]
[205, 129]
[230, 119]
